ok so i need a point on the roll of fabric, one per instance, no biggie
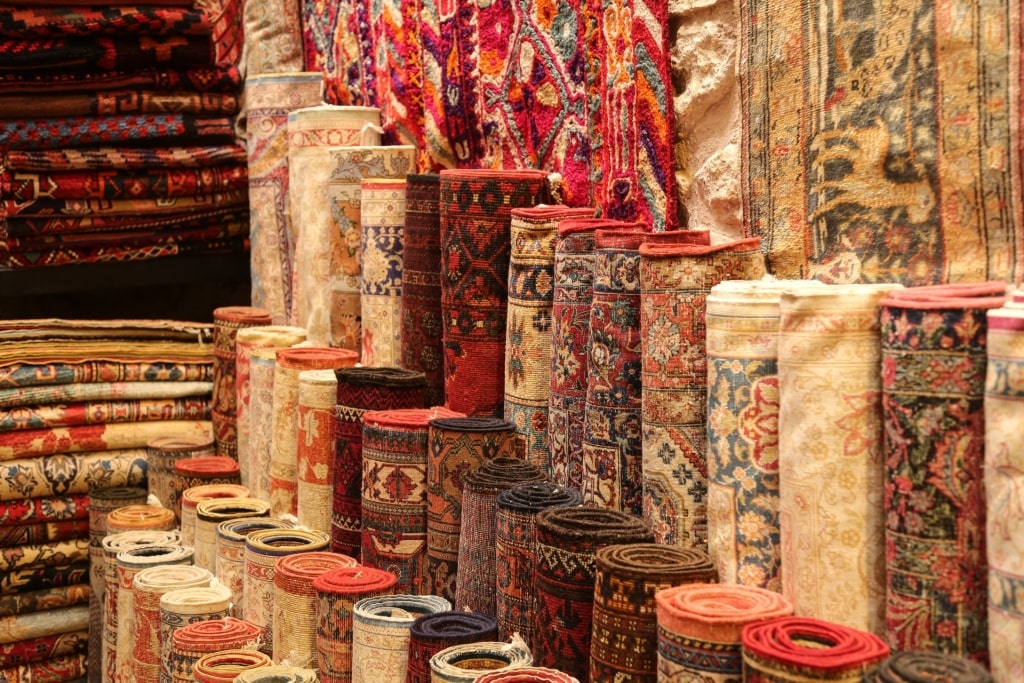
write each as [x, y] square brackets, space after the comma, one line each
[432, 633]
[204, 471]
[226, 666]
[465, 663]
[476, 208]
[422, 343]
[210, 514]
[193, 641]
[624, 639]
[65, 668]
[44, 649]
[675, 279]
[294, 620]
[380, 634]
[457, 446]
[527, 674]
[337, 592]
[262, 550]
[262, 368]
[227, 321]
[515, 547]
[933, 387]
[475, 589]
[284, 441]
[795, 648]
[150, 585]
[534, 232]
[100, 504]
[140, 517]
[359, 390]
[394, 494]
[916, 666]
[1003, 479]
[567, 542]
[269, 98]
[231, 535]
[315, 448]
[742, 323]
[129, 563]
[830, 506]
[277, 674]
[50, 476]
[161, 454]
[382, 214]
[185, 606]
[246, 341]
[570, 338]
[699, 628]
[192, 496]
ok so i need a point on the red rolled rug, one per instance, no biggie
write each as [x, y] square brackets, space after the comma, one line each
[203, 637]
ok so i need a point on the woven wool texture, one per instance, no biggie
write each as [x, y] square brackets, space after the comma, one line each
[394, 497]
[315, 448]
[675, 278]
[534, 232]
[20, 627]
[224, 667]
[231, 535]
[515, 548]
[422, 343]
[193, 641]
[46, 648]
[830, 506]
[273, 39]
[133, 517]
[227, 321]
[193, 495]
[476, 217]
[624, 640]
[1002, 479]
[611, 449]
[475, 589]
[457, 446]
[17, 583]
[210, 514]
[570, 337]
[432, 633]
[262, 369]
[161, 454]
[270, 98]
[527, 674]
[64, 668]
[699, 628]
[247, 340]
[920, 666]
[805, 649]
[742, 322]
[568, 539]
[382, 215]
[464, 663]
[185, 606]
[933, 386]
[277, 674]
[113, 436]
[103, 412]
[262, 550]
[64, 474]
[360, 390]
[380, 634]
[284, 441]
[43, 532]
[202, 470]
[337, 592]
[44, 554]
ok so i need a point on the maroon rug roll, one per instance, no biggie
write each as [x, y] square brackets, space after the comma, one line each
[476, 220]
[431, 633]
[360, 390]
[227, 320]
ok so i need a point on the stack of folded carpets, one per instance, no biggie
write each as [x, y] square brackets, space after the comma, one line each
[79, 400]
[117, 134]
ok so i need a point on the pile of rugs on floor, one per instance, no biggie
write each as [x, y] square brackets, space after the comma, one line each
[79, 402]
[117, 134]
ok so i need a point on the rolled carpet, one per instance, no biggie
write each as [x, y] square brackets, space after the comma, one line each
[917, 666]
[277, 674]
[139, 517]
[227, 321]
[194, 495]
[315, 448]
[465, 663]
[227, 665]
[432, 633]
[162, 453]
[382, 215]
[380, 634]
[192, 641]
[527, 674]
[185, 606]
[210, 514]
[231, 535]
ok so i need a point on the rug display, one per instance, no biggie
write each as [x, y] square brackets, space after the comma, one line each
[431, 633]
[230, 572]
[162, 453]
[475, 589]
[909, 666]
[780, 649]
[534, 233]
[422, 343]
[337, 592]
[699, 628]
[830, 404]
[315, 448]
[476, 217]
[628, 577]
[457, 447]
[382, 216]
[269, 99]
[677, 270]
[193, 641]
[227, 321]
[1002, 480]
[359, 390]
[568, 539]
[394, 492]
[380, 634]
[933, 342]
[852, 184]
[515, 547]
